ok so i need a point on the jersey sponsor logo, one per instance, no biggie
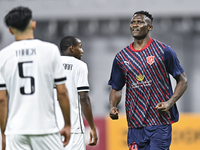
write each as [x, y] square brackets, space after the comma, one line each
[150, 60]
[143, 84]
[140, 77]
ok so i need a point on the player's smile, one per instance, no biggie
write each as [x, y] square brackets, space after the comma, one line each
[134, 30]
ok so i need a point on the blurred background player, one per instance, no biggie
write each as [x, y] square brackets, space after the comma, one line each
[28, 79]
[144, 66]
[78, 88]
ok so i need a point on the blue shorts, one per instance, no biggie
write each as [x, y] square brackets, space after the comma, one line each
[150, 138]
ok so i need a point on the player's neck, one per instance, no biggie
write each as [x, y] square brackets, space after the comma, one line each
[139, 44]
[24, 36]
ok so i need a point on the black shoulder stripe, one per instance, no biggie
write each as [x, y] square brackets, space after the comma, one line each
[83, 88]
[61, 79]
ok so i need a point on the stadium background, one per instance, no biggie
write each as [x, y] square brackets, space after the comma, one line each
[103, 27]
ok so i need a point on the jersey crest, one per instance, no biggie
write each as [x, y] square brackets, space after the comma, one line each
[150, 60]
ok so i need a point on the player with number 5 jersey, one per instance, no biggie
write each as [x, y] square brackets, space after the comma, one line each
[29, 69]
[28, 80]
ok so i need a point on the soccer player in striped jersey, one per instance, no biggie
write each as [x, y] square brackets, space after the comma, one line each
[78, 88]
[27, 78]
[144, 67]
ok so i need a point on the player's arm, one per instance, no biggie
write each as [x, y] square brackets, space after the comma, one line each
[63, 99]
[114, 98]
[180, 88]
[87, 111]
[3, 114]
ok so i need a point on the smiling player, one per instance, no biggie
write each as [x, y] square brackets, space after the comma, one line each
[144, 67]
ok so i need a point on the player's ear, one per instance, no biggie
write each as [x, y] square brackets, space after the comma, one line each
[33, 24]
[11, 30]
[71, 48]
[150, 27]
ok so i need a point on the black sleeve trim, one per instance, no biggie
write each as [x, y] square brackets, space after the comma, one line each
[83, 88]
[2, 85]
[61, 79]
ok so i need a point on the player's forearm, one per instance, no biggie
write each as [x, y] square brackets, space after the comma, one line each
[3, 114]
[179, 89]
[115, 97]
[65, 107]
[87, 111]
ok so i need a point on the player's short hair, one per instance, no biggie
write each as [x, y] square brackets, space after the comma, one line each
[18, 18]
[66, 42]
[145, 13]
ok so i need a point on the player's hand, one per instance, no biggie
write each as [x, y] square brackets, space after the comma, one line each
[93, 137]
[66, 133]
[163, 107]
[114, 113]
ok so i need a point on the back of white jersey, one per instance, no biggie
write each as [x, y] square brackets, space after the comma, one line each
[77, 80]
[28, 71]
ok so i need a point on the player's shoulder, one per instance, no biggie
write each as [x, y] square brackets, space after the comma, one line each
[6, 50]
[159, 43]
[80, 61]
[72, 59]
[45, 43]
[125, 49]
[78, 64]
[47, 47]
[167, 49]
[7, 47]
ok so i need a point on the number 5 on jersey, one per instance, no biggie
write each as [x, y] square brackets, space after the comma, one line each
[22, 89]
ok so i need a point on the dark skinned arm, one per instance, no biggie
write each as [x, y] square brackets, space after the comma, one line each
[3, 115]
[63, 99]
[180, 88]
[114, 98]
[87, 111]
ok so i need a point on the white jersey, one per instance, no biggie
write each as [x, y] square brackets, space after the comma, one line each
[28, 71]
[77, 80]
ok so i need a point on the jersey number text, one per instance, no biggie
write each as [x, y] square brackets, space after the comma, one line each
[22, 89]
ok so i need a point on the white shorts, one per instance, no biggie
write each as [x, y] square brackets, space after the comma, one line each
[76, 142]
[34, 142]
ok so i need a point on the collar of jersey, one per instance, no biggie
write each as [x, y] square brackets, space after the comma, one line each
[149, 42]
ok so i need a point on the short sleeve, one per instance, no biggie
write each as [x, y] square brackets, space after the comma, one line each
[59, 74]
[2, 82]
[117, 77]
[172, 63]
[83, 84]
